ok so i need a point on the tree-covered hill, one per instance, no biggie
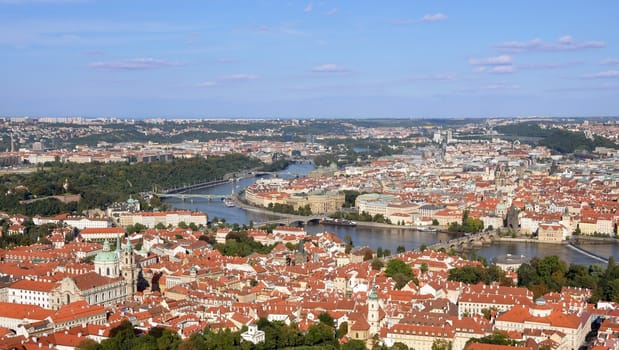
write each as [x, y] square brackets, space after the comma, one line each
[558, 140]
[100, 184]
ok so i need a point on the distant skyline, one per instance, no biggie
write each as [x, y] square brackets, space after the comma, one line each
[308, 59]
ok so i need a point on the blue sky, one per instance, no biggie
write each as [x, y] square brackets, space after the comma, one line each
[298, 59]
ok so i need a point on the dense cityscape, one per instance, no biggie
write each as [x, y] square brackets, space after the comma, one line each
[316, 175]
[128, 268]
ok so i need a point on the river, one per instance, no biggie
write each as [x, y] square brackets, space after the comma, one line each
[387, 238]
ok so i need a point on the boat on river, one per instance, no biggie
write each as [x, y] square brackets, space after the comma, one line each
[426, 229]
[228, 202]
[337, 222]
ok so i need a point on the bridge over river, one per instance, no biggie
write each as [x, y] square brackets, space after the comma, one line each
[290, 219]
[465, 242]
[185, 196]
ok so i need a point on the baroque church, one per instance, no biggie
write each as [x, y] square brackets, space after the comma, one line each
[113, 280]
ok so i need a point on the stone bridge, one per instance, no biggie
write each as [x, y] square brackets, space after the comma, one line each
[290, 220]
[466, 242]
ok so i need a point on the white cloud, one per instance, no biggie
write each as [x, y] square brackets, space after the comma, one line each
[331, 12]
[227, 60]
[133, 64]
[329, 68]
[437, 17]
[502, 69]
[239, 77]
[610, 61]
[496, 64]
[434, 17]
[500, 86]
[308, 8]
[492, 88]
[206, 84]
[602, 75]
[492, 61]
[495, 69]
[564, 43]
[434, 77]
[555, 65]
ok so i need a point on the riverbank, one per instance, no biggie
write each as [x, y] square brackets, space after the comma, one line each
[526, 240]
[239, 203]
[595, 240]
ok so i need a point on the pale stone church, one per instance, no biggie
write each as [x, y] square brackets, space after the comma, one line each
[113, 280]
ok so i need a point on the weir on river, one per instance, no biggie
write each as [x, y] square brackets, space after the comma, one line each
[588, 253]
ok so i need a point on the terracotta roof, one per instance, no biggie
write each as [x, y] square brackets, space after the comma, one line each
[40, 286]
[92, 279]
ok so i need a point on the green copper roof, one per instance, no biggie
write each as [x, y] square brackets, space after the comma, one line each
[373, 294]
[106, 257]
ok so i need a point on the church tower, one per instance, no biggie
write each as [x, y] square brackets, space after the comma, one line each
[129, 269]
[373, 312]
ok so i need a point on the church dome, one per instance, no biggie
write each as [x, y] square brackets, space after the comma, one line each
[106, 256]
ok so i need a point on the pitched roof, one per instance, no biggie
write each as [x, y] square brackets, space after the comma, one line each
[91, 280]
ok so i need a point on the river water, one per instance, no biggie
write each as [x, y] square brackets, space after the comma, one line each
[387, 238]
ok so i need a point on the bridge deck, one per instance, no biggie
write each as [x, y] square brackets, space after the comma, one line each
[193, 195]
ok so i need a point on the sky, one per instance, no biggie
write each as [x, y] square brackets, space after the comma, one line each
[309, 59]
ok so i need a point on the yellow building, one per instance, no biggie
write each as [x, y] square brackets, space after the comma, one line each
[551, 232]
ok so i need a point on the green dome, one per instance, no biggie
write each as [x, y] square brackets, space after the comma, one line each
[106, 257]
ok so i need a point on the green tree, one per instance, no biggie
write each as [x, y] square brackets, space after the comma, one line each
[326, 319]
[377, 264]
[168, 340]
[318, 334]
[87, 344]
[441, 344]
[400, 249]
[400, 272]
[468, 274]
[135, 228]
[496, 338]
[121, 337]
[399, 346]
[527, 275]
[354, 344]
[379, 252]
[368, 254]
[342, 330]
[423, 268]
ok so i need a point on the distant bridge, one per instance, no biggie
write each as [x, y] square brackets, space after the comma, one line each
[186, 188]
[184, 196]
[276, 173]
[289, 220]
[465, 242]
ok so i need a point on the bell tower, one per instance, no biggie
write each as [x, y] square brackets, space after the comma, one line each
[129, 269]
[373, 312]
